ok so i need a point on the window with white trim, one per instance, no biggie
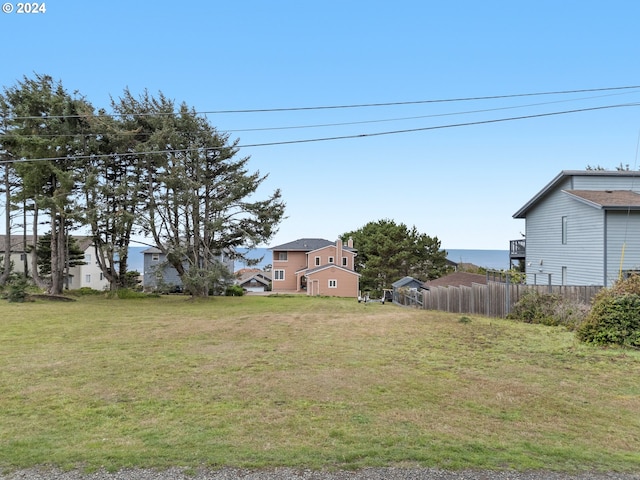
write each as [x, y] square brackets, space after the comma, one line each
[282, 256]
[278, 274]
[330, 259]
[564, 230]
[87, 278]
[333, 283]
[155, 257]
[345, 261]
[317, 261]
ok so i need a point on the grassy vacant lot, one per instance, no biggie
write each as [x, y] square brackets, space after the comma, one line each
[313, 382]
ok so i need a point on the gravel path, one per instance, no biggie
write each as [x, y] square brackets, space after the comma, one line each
[291, 474]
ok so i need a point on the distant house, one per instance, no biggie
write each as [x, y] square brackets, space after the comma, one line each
[20, 256]
[89, 275]
[159, 273]
[582, 228]
[315, 266]
[253, 279]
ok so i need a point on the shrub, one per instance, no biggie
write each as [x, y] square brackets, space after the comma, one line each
[548, 309]
[85, 291]
[615, 316]
[536, 307]
[16, 291]
[126, 294]
[234, 291]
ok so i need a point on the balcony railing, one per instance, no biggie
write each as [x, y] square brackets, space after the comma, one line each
[517, 248]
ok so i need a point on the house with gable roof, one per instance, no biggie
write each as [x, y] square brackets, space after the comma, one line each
[158, 273]
[582, 228]
[315, 266]
[87, 275]
[253, 279]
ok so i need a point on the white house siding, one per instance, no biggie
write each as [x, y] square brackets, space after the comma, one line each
[88, 275]
[18, 261]
[581, 255]
[623, 230]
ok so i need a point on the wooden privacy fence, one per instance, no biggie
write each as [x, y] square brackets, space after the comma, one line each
[495, 299]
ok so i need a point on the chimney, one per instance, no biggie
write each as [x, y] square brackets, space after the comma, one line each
[338, 260]
[350, 242]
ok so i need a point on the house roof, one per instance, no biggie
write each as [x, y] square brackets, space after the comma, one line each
[607, 199]
[152, 250]
[245, 274]
[404, 281]
[84, 242]
[456, 279]
[311, 271]
[562, 176]
[253, 274]
[304, 244]
[309, 245]
[16, 242]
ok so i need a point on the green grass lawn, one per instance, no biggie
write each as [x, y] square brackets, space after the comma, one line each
[305, 382]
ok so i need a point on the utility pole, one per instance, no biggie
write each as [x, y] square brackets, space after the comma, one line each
[4, 276]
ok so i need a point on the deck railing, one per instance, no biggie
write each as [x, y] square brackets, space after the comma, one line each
[517, 248]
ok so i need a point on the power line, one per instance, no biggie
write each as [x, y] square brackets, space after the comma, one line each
[437, 127]
[337, 124]
[325, 139]
[463, 99]
[485, 110]
[329, 107]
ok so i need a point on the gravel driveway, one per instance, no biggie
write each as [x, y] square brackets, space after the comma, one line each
[291, 474]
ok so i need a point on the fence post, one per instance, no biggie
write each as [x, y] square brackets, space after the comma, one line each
[507, 286]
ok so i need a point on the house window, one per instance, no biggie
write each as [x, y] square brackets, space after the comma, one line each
[101, 276]
[278, 274]
[317, 261]
[87, 258]
[330, 259]
[333, 283]
[564, 230]
[87, 278]
[564, 275]
[23, 257]
[282, 256]
[345, 261]
[155, 257]
[627, 273]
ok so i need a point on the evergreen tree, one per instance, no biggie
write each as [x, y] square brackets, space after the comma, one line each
[195, 190]
[74, 254]
[46, 126]
[388, 251]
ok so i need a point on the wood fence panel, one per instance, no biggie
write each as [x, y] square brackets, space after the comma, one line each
[495, 299]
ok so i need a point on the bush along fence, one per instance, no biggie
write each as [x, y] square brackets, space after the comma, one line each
[495, 299]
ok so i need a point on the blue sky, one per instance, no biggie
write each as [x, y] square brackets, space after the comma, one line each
[460, 184]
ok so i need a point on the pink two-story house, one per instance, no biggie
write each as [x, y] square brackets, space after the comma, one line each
[315, 266]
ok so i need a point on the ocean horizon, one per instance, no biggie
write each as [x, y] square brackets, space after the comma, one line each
[490, 259]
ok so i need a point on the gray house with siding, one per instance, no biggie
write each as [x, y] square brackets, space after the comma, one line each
[583, 228]
[157, 270]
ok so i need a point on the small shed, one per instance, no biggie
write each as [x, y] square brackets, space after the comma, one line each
[405, 282]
